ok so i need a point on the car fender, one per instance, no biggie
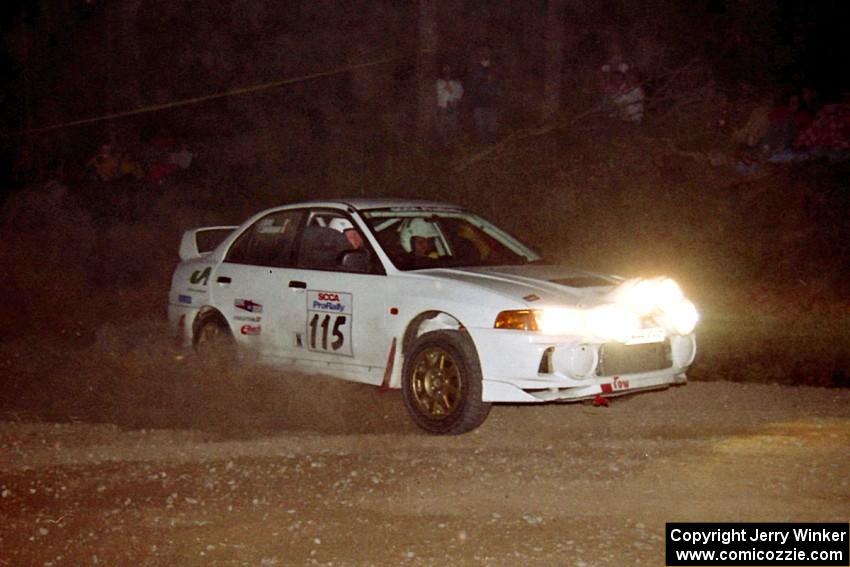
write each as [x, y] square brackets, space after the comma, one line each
[206, 313]
[440, 307]
[419, 325]
[471, 305]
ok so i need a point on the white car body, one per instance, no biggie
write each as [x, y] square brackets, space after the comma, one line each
[360, 326]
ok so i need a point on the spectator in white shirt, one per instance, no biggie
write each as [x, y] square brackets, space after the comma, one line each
[449, 95]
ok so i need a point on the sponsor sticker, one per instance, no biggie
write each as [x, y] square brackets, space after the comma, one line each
[250, 329]
[200, 276]
[187, 299]
[329, 301]
[646, 336]
[616, 385]
[249, 318]
[248, 305]
[268, 226]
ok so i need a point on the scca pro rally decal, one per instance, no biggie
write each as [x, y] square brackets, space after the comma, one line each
[329, 321]
[248, 305]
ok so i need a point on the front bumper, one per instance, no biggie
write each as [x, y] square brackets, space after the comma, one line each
[520, 392]
[528, 367]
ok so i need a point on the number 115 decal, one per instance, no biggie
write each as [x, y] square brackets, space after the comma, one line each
[329, 322]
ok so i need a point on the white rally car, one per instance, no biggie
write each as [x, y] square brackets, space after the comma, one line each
[429, 298]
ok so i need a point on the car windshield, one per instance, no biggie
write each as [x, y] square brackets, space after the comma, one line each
[418, 238]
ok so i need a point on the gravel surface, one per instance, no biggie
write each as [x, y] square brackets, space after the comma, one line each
[536, 485]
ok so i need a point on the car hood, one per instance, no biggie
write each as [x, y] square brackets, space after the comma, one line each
[534, 284]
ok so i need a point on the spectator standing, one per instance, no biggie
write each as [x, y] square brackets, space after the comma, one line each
[611, 73]
[786, 122]
[484, 92]
[104, 163]
[449, 95]
[809, 101]
[629, 98]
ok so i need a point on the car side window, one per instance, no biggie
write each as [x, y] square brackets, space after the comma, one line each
[331, 241]
[268, 242]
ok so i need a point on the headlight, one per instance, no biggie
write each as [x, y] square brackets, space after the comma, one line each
[608, 322]
[611, 322]
[645, 296]
[682, 317]
[551, 321]
[669, 294]
[561, 321]
[637, 303]
[660, 298]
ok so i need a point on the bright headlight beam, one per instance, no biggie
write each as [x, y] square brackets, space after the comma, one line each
[646, 296]
[668, 294]
[607, 322]
[636, 300]
[683, 317]
[612, 322]
[561, 321]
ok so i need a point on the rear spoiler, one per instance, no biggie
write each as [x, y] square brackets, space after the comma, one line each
[199, 241]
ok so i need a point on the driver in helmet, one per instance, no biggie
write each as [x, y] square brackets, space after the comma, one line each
[420, 238]
[347, 229]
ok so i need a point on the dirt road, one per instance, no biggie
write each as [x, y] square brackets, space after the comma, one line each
[547, 485]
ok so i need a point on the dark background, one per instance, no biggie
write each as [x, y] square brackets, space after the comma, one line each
[69, 60]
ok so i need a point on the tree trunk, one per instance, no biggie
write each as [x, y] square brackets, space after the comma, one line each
[130, 50]
[425, 65]
[554, 39]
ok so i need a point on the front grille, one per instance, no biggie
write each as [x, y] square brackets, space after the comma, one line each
[616, 358]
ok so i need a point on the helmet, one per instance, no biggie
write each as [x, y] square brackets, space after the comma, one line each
[418, 227]
[340, 224]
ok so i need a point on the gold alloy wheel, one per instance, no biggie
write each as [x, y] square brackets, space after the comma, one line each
[437, 383]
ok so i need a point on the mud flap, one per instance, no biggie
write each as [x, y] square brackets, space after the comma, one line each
[388, 371]
[180, 339]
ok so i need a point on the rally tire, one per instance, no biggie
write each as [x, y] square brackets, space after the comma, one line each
[442, 384]
[213, 341]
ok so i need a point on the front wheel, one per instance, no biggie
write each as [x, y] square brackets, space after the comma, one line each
[442, 384]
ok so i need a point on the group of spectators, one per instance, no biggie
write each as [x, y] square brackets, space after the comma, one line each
[481, 90]
[482, 93]
[796, 127]
[161, 158]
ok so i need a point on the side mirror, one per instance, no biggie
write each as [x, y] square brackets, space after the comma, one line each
[355, 261]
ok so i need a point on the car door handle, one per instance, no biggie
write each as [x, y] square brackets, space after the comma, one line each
[223, 280]
[297, 284]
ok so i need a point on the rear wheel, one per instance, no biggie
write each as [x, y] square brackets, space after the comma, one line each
[442, 384]
[213, 341]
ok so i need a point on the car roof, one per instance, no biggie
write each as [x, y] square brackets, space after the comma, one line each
[362, 204]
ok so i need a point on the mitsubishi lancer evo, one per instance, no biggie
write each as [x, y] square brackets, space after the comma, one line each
[428, 298]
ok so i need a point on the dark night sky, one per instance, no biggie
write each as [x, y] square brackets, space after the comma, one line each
[812, 34]
[778, 44]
